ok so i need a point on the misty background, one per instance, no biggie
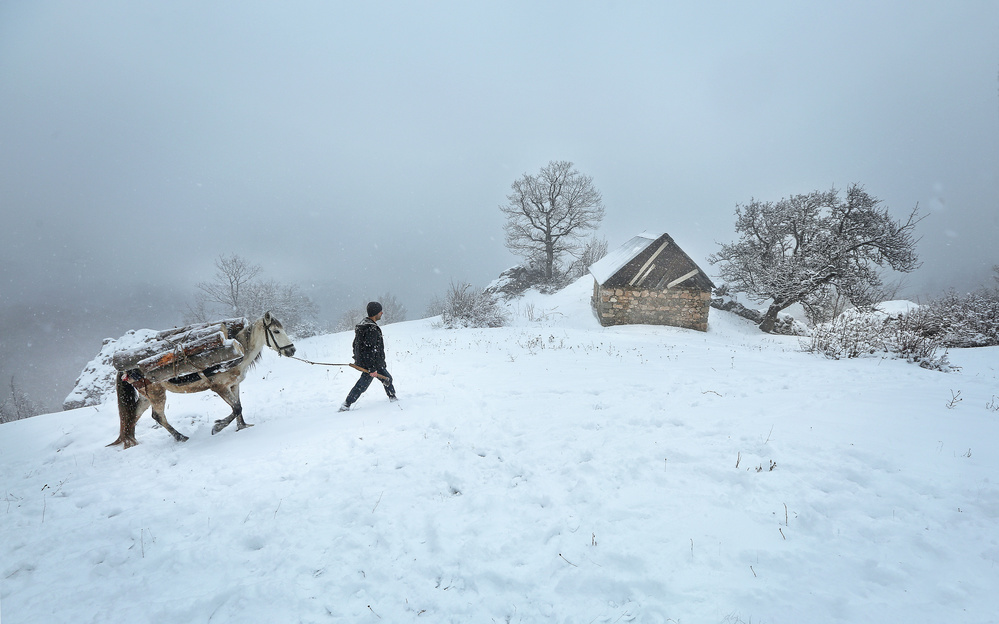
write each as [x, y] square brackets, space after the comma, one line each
[357, 149]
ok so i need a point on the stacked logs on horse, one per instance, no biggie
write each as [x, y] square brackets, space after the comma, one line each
[182, 351]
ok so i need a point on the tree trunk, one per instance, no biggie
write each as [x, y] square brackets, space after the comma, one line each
[770, 318]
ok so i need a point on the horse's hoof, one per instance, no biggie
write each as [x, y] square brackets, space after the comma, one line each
[182, 438]
[242, 426]
[219, 426]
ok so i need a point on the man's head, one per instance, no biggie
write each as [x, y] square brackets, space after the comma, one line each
[374, 309]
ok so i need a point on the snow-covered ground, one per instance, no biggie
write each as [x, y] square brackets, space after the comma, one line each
[550, 471]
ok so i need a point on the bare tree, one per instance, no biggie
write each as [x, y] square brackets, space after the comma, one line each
[392, 309]
[593, 250]
[348, 320]
[286, 301]
[797, 249]
[236, 290]
[392, 312]
[548, 214]
[228, 287]
[17, 404]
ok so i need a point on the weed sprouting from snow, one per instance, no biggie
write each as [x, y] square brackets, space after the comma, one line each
[535, 315]
[773, 465]
[954, 399]
[10, 498]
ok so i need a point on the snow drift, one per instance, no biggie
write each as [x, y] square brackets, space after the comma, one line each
[547, 471]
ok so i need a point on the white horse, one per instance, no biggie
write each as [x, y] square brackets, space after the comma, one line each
[133, 400]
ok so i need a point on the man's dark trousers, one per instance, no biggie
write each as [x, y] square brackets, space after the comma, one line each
[365, 381]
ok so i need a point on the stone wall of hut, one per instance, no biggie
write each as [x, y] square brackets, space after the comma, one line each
[677, 307]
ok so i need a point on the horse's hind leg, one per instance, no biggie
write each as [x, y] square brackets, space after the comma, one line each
[231, 396]
[131, 404]
[158, 399]
[126, 432]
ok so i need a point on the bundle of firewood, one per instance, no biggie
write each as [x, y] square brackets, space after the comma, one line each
[182, 351]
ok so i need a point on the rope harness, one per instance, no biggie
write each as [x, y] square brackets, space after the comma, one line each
[269, 337]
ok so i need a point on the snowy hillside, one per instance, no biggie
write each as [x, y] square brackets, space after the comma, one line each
[550, 471]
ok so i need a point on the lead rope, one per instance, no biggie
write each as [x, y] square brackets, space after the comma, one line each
[319, 363]
[381, 377]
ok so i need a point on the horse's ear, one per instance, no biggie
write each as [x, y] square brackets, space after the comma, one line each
[267, 317]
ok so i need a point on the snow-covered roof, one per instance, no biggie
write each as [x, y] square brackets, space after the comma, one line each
[651, 261]
[614, 261]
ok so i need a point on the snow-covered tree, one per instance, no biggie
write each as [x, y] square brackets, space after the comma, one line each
[548, 214]
[798, 249]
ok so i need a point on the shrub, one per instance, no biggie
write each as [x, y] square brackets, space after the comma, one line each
[464, 306]
[859, 334]
[970, 320]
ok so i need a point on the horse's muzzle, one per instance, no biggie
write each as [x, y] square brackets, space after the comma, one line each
[287, 351]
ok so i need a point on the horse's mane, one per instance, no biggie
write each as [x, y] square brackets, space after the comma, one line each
[253, 362]
[247, 332]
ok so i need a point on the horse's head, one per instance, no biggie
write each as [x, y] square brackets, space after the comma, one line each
[277, 338]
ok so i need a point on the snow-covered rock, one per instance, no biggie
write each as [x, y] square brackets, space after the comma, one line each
[514, 282]
[95, 385]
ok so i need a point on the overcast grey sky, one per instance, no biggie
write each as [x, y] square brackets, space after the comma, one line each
[344, 142]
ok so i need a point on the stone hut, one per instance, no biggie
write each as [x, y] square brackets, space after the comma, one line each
[650, 280]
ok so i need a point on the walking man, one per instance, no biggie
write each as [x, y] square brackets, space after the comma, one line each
[369, 354]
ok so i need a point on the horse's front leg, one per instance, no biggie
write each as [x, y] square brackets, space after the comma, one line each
[158, 401]
[231, 396]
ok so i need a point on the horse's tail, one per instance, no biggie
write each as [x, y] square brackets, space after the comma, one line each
[128, 402]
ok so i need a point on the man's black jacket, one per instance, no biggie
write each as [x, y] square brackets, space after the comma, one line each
[369, 348]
